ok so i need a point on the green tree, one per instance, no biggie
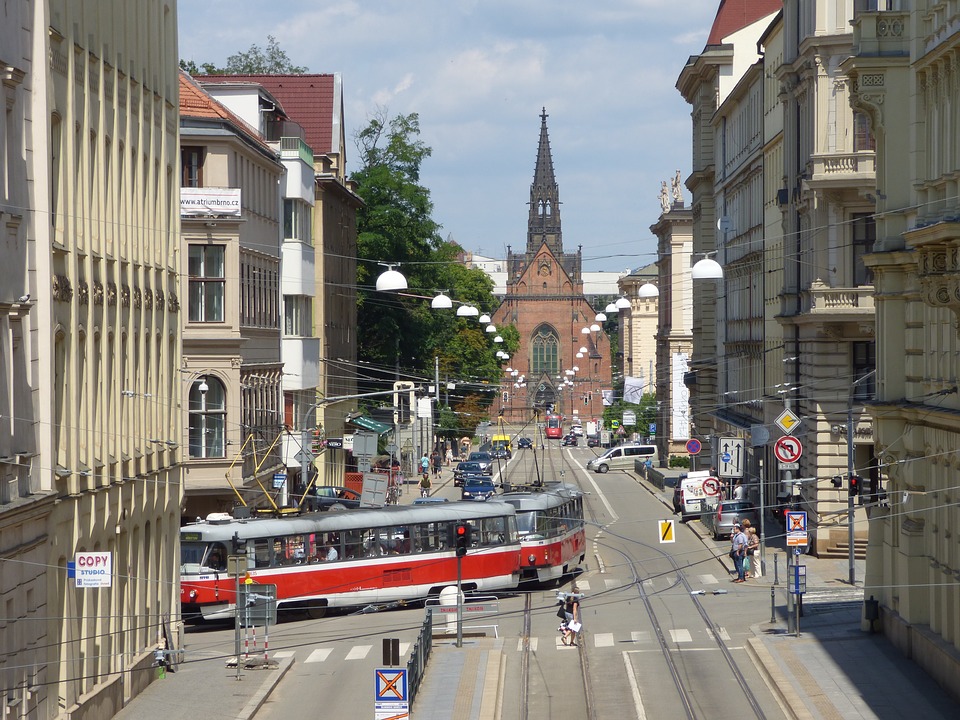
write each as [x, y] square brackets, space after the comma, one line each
[255, 61]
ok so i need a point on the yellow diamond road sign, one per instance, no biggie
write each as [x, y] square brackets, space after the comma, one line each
[787, 421]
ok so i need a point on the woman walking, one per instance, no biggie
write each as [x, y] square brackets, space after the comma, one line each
[572, 610]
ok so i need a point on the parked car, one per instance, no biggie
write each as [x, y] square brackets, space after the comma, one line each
[330, 497]
[477, 488]
[593, 441]
[485, 460]
[720, 520]
[623, 457]
[569, 440]
[466, 468]
[524, 443]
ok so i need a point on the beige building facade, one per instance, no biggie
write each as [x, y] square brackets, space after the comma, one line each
[90, 313]
[638, 328]
[905, 76]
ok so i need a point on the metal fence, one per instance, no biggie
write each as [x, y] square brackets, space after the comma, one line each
[419, 655]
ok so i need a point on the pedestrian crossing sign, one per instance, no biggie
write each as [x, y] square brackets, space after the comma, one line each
[667, 531]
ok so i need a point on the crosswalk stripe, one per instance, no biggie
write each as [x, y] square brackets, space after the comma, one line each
[723, 634]
[603, 640]
[680, 635]
[358, 652]
[319, 655]
[533, 644]
[561, 645]
[584, 585]
[639, 636]
[708, 579]
[280, 654]
[404, 646]
[612, 583]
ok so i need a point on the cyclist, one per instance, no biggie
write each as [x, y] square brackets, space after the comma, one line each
[425, 483]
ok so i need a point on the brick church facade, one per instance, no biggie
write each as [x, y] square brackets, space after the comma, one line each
[544, 300]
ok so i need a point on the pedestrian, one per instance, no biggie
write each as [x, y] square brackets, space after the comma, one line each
[571, 609]
[424, 465]
[435, 456]
[738, 551]
[449, 456]
[753, 554]
[738, 491]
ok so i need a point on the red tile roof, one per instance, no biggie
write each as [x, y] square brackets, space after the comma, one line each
[733, 15]
[196, 103]
[308, 100]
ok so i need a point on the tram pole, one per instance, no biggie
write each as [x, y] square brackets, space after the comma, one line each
[459, 603]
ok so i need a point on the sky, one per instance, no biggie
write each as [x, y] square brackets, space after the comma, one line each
[478, 73]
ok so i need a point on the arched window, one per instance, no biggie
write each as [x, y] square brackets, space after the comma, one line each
[545, 351]
[208, 415]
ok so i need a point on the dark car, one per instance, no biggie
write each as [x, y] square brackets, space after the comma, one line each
[593, 441]
[464, 469]
[524, 443]
[477, 488]
[500, 452]
[485, 459]
[719, 520]
[569, 440]
[329, 497]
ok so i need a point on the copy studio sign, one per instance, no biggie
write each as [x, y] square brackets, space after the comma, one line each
[93, 569]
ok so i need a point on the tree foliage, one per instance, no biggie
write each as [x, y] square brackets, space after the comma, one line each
[395, 225]
[255, 61]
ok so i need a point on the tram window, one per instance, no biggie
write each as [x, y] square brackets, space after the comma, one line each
[353, 543]
[216, 557]
[429, 537]
[327, 548]
[371, 542]
[262, 552]
[492, 531]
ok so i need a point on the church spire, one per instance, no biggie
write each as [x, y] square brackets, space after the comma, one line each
[543, 225]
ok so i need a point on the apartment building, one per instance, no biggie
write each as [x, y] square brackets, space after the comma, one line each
[90, 318]
[230, 216]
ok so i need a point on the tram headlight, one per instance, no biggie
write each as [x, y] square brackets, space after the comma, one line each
[193, 594]
[531, 558]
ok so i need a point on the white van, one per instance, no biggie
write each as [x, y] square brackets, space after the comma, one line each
[693, 498]
[622, 457]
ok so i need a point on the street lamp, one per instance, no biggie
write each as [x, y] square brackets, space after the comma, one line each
[622, 303]
[441, 302]
[467, 311]
[390, 280]
[647, 290]
[483, 319]
[611, 309]
[706, 269]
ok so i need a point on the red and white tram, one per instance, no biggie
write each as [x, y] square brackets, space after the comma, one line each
[349, 558]
[554, 428]
[550, 523]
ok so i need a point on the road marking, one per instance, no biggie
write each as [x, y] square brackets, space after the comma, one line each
[634, 690]
[533, 644]
[640, 636]
[603, 497]
[583, 584]
[647, 585]
[319, 655]
[708, 579]
[279, 655]
[613, 583]
[404, 646]
[358, 652]
[603, 640]
[723, 634]
[561, 645]
[680, 635]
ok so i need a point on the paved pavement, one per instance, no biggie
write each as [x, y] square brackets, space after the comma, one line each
[831, 670]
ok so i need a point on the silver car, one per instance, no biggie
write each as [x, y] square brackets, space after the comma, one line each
[720, 520]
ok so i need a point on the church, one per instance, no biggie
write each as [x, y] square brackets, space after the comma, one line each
[564, 358]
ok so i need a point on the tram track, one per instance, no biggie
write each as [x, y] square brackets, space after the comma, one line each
[562, 468]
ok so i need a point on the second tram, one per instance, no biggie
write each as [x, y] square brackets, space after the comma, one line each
[550, 524]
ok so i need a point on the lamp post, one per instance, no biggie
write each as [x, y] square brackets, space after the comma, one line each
[850, 472]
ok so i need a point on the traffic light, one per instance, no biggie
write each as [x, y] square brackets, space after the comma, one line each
[856, 485]
[462, 532]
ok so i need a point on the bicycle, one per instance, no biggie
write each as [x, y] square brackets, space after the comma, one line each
[393, 495]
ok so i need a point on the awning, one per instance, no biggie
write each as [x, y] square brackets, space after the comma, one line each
[368, 423]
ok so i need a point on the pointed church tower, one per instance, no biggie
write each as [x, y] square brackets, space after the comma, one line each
[543, 225]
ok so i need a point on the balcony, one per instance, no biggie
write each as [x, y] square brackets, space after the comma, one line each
[882, 33]
[301, 362]
[837, 304]
[294, 147]
[843, 170]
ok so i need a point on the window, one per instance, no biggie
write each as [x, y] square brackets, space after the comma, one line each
[191, 167]
[864, 236]
[864, 357]
[546, 352]
[208, 414]
[296, 220]
[206, 283]
[862, 137]
[297, 315]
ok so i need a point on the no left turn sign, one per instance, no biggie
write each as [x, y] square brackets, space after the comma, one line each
[787, 449]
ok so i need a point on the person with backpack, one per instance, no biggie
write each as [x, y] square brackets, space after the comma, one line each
[425, 483]
[738, 551]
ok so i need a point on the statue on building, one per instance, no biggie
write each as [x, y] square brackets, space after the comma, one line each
[677, 192]
[664, 197]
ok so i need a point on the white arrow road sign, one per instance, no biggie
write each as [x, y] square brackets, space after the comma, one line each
[731, 457]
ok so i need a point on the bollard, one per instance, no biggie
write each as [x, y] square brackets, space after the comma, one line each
[773, 605]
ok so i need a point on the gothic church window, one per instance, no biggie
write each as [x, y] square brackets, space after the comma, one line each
[545, 348]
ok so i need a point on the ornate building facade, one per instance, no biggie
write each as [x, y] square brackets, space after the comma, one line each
[564, 353]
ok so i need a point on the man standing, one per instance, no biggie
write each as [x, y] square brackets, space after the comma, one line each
[738, 550]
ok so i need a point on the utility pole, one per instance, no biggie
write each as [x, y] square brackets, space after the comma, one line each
[851, 471]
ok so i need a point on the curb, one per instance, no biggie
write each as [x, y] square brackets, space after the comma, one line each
[778, 683]
[260, 697]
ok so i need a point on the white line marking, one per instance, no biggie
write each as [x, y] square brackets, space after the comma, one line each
[583, 584]
[723, 634]
[612, 583]
[533, 644]
[708, 579]
[358, 652]
[640, 636]
[403, 648]
[603, 640]
[634, 690]
[319, 655]
[603, 497]
[679, 635]
[280, 654]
